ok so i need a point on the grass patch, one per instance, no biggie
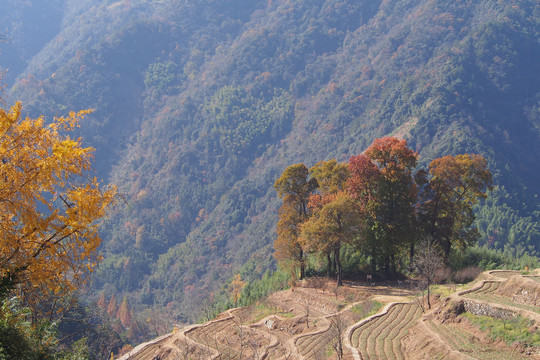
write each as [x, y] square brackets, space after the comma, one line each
[516, 329]
[367, 308]
[261, 311]
[445, 289]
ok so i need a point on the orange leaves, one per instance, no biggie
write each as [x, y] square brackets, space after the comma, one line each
[466, 174]
[331, 176]
[48, 209]
[295, 187]
[391, 153]
[456, 184]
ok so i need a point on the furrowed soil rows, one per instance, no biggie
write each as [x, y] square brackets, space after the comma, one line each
[207, 336]
[400, 331]
[315, 346]
[380, 338]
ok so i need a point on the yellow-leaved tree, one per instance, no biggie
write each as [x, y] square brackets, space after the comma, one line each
[49, 207]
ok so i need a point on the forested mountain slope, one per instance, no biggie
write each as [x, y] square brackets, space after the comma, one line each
[201, 105]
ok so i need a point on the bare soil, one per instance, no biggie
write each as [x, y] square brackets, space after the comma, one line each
[523, 290]
[302, 323]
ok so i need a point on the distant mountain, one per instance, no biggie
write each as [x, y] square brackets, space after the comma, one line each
[201, 105]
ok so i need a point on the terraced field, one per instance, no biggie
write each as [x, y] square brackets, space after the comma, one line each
[533, 277]
[207, 336]
[230, 339]
[380, 337]
[316, 345]
[487, 294]
[149, 351]
[309, 323]
[464, 341]
[505, 274]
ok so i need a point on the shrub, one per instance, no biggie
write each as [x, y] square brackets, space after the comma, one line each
[467, 274]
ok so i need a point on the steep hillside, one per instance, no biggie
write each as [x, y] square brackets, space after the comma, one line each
[201, 105]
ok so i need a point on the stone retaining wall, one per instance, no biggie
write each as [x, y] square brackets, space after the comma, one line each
[484, 309]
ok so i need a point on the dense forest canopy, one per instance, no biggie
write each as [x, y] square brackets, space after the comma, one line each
[200, 106]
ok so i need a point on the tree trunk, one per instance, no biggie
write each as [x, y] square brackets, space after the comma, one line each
[386, 267]
[447, 245]
[428, 302]
[302, 265]
[411, 252]
[338, 266]
[329, 259]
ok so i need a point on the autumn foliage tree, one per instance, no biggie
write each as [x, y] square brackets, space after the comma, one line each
[376, 206]
[382, 181]
[331, 177]
[124, 314]
[287, 248]
[294, 187]
[237, 285]
[452, 187]
[48, 206]
[333, 224]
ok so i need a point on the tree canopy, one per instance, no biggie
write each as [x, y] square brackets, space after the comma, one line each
[295, 187]
[446, 202]
[374, 204]
[49, 207]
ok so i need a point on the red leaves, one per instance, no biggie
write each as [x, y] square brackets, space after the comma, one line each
[392, 154]
[363, 174]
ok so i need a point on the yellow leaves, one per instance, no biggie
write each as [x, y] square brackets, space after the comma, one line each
[72, 121]
[8, 119]
[48, 208]
[237, 284]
